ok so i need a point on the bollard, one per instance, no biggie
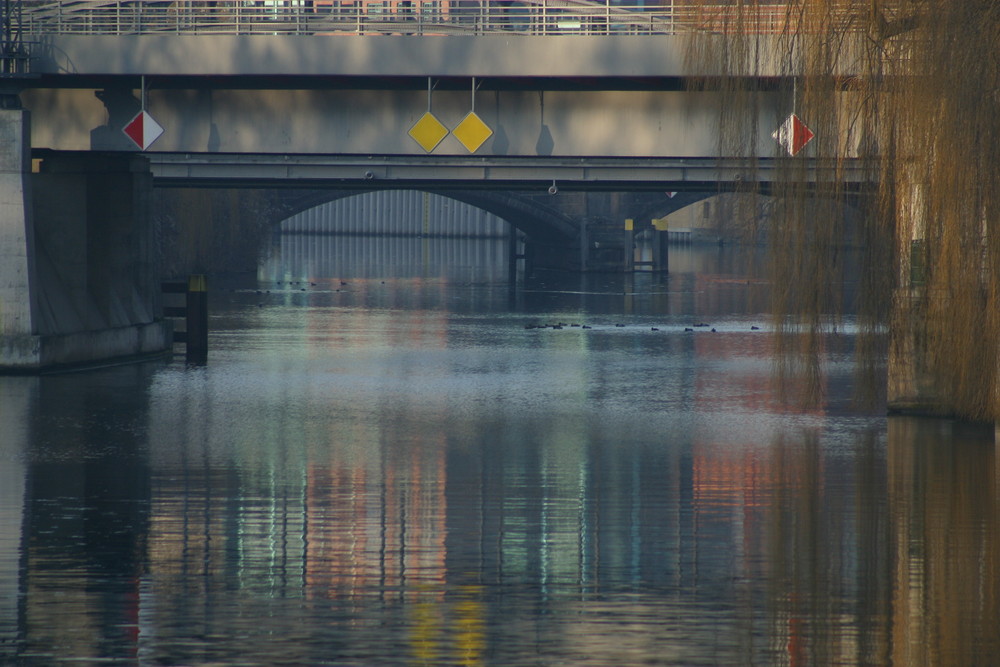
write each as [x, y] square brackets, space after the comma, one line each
[661, 244]
[512, 257]
[197, 319]
[629, 245]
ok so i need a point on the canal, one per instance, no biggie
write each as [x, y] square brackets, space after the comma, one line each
[392, 459]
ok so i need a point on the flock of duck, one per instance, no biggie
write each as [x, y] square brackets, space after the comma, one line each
[294, 284]
[299, 285]
[556, 325]
[563, 325]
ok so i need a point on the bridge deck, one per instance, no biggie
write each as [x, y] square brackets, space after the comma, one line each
[493, 172]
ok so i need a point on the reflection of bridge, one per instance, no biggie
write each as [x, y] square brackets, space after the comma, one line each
[285, 94]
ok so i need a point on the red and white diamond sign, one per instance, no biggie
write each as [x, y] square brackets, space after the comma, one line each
[143, 130]
[793, 135]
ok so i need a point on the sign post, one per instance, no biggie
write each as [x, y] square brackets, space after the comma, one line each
[142, 129]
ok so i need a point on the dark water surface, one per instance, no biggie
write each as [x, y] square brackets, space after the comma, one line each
[387, 468]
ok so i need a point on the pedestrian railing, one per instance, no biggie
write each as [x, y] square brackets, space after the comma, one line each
[400, 17]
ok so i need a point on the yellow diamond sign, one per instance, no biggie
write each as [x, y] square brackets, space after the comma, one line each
[428, 132]
[472, 132]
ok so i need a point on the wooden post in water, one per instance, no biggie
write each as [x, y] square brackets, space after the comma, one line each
[512, 257]
[661, 236]
[629, 245]
[197, 319]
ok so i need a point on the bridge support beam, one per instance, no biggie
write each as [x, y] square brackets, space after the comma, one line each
[78, 277]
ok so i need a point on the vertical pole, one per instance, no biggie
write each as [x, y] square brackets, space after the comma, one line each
[512, 257]
[661, 257]
[197, 319]
[629, 245]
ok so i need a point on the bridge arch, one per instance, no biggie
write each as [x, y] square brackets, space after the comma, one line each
[529, 214]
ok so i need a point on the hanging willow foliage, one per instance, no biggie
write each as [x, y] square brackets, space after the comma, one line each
[909, 90]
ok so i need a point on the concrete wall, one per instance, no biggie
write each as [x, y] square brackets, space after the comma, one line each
[353, 55]
[17, 242]
[95, 244]
[495, 55]
[78, 278]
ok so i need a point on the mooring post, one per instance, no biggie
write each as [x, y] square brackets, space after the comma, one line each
[661, 245]
[629, 245]
[197, 318]
[512, 257]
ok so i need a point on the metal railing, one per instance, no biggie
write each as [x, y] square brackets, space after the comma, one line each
[13, 50]
[408, 17]
[313, 17]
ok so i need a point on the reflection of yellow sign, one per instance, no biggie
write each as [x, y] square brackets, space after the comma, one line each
[444, 631]
[472, 132]
[428, 132]
[660, 224]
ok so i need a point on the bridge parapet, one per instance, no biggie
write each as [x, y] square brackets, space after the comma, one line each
[370, 17]
[420, 17]
[50, 28]
[377, 172]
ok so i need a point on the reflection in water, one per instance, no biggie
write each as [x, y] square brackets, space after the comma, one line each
[946, 559]
[395, 471]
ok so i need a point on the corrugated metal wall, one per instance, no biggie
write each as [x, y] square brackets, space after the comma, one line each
[397, 213]
[301, 256]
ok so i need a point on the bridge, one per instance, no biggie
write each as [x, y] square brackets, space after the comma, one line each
[457, 95]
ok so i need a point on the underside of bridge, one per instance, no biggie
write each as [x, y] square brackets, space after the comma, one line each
[210, 229]
[575, 231]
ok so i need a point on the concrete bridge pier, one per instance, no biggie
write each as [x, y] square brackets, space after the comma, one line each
[598, 248]
[18, 284]
[78, 263]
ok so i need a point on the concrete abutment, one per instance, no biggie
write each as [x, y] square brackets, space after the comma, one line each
[79, 273]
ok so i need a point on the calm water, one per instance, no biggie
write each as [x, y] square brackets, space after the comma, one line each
[380, 465]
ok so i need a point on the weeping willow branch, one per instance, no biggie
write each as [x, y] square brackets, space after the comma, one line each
[910, 89]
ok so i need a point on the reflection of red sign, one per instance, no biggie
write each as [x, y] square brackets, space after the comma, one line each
[143, 130]
[793, 134]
